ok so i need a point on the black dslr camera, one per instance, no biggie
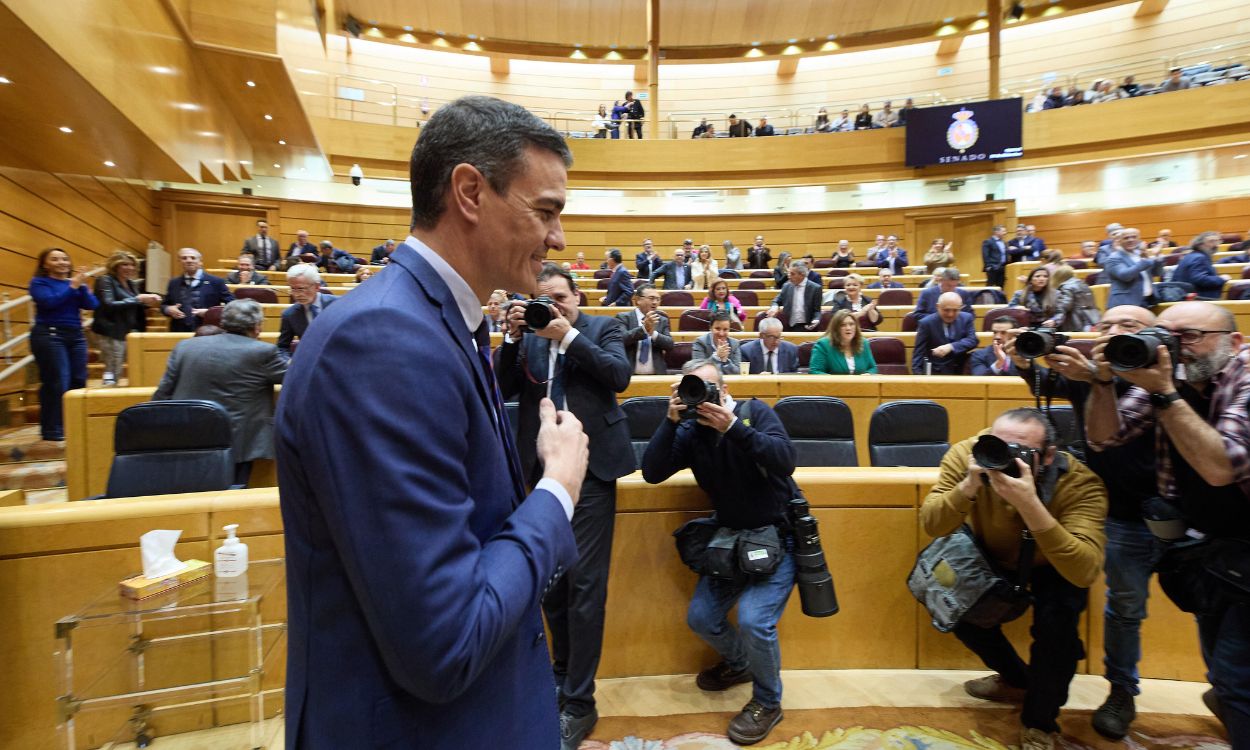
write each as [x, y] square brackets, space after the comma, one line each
[816, 592]
[1132, 351]
[996, 454]
[692, 391]
[1039, 342]
[539, 312]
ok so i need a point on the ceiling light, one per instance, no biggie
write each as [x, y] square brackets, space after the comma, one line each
[1240, 156]
[207, 134]
[4, 80]
[612, 55]
[791, 41]
[110, 164]
[472, 47]
[251, 84]
[277, 166]
[755, 44]
[948, 19]
[578, 55]
[407, 28]
[754, 52]
[188, 106]
[474, 36]
[65, 129]
[793, 49]
[831, 37]
[281, 143]
[164, 70]
[268, 117]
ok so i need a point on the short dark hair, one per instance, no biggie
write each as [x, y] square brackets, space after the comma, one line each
[39, 269]
[643, 288]
[615, 255]
[1029, 414]
[551, 270]
[718, 317]
[490, 134]
[1004, 319]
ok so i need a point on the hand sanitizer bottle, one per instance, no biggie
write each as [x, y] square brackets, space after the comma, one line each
[230, 559]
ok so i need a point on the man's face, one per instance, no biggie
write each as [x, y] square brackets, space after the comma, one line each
[327, 250]
[843, 244]
[246, 264]
[1030, 230]
[999, 232]
[646, 246]
[1089, 249]
[1020, 231]
[891, 242]
[1125, 319]
[303, 291]
[679, 257]
[1029, 434]
[648, 301]
[492, 306]
[567, 300]
[797, 277]
[720, 331]
[1000, 334]
[759, 241]
[581, 257]
[949, 311]
[885, 277]
[770, 339]
[880, 240]
[1130, 239]
[1212, 351]
[1210, 243]
[190, 261]
[1165, 234]
[948, 285]
[519, 228]
[263, 229]
[302, 237]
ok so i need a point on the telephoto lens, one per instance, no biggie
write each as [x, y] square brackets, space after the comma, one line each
[995, 454]
[694, 390]
[816, 592]
[1039, 342]
[1130, 351]
[539, 313]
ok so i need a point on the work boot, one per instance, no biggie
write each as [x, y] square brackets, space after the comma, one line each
[721, 677]
[1115, 715]
[994, 688]
[754, 723]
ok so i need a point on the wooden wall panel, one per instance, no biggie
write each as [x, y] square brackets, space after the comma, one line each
[1185, 220]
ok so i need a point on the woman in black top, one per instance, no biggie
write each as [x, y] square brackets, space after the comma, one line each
[122, 309]
[863, 120]
[781, 274]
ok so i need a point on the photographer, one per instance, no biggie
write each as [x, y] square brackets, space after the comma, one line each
[1128, 472]
[579, 362]
[1062, 505]
[1202, 459]
[742, 458]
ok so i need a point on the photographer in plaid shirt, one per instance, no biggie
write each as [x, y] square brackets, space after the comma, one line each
[1202, 456]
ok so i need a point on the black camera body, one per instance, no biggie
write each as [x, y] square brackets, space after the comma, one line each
[1132, 351]
[694, 390]
[1039, 342]
[811, 574]
[539, 312]
[996, 454]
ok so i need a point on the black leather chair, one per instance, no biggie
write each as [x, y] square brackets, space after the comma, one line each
[821, 428]
[167, 447]
[679, 355]
[644, 414]
[908, 433]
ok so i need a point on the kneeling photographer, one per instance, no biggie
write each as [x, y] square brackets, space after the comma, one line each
[1128, 472]
[1202, 459]
[1038, 515]
[743, 459]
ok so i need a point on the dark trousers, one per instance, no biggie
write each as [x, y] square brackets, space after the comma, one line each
[575, 605]
[635, 129]
[1056, 649]
[243, 472]
[1225, 638]
[996, 277]
[61, 355]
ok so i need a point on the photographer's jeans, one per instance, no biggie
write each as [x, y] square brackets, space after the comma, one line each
[1131, 557]
[61, 355]
[1225, 639]
[753, 644]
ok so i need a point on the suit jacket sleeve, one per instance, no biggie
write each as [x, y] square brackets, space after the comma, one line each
[604, 358]
[922, 347]
[819, 363]
[663, 340]
[1202, 274]
[223, 292]
[169, 381]
[981, 364]
[1126, 272]
[967, 340]
[865, 363]
[286, 334]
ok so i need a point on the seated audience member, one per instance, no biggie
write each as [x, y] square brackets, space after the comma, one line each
[781, 272]
[647, 333]
[905, 111]
[798, 303]
[333, 260]
[1063, 505]
[769, 353]
[1051, 259]
[192, 292]
[1105, 91]
[237, 371]
[994, 359]
[1164, 240]
[719, 300]
[938, 255]
[851, 297]
[245, 272]
[1075, 308]
[844, 256]
[843, 350]
[759, 255]
[704, 269]
[497, 311]
[944, 339]
[863, 120]
[813, 275]
[1089, 249]
[1055, 99]
[676, 272]
[710, 132]
[742, 457]
[1129, 88]
[822, 124]
[877, 249]
[739, 128]
[580, 263]
[699, 129]
[1176, 81]
[764, 129]
[363, 273]
[886, 118]
[885, 280]
[1242, 247]
[620, 284]
[892, 256]
[843, 123]
[382, 253]
[307, 302]
[947, 281]
[300, 247]
[1196, 267]
[717, 346]
[733, 256]
[262, 247]
[1037, 297]
[1075, 96]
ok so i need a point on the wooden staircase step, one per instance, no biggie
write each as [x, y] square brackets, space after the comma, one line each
[32, 475]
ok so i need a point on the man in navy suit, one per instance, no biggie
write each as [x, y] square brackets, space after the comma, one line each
[620, 285]
[947, 281]
[892, 256]
[769, 353]
[192, 293]
[994, 257]
[307, 302]
[1131, 269]
[994, 359]
[648, 261]
[944, 338]
[885, 280]
[1197, 269]
[797, 306]
[415, 561]
[676, 272]
[1025, 246]
[648, 334]
[578, 360]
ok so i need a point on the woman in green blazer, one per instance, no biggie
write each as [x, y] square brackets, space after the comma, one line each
[829, 358]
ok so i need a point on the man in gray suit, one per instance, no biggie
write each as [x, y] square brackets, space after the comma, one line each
[718, 347]
[648, 335]
[798, 304]
[245, 272]
[1130, 269]
[238, 372]
[676, 272]
[261, 246]
[307, 302]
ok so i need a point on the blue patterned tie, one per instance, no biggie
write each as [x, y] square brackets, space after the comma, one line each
[482, 338]
[644, 350]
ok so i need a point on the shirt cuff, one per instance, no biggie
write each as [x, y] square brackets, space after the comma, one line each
[654, 333]
[568, 339]
[561, 494]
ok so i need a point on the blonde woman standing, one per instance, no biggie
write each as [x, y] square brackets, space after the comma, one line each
[704, 270]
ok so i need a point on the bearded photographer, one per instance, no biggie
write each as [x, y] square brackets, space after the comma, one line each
[742, 458]
[1202, 459]
[1062, 505]
[1128, 472]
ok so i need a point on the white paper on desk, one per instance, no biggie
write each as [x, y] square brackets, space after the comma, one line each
[157, 548]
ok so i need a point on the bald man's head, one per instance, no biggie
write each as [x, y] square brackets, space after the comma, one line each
[949, 304]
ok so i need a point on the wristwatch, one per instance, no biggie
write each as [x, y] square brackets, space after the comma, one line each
[1164, 400]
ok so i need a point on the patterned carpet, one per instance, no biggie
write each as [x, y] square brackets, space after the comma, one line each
[989, 728]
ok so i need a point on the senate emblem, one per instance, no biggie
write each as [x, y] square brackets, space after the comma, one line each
[963, 132]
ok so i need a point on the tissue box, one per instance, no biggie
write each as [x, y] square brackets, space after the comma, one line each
[141, 588]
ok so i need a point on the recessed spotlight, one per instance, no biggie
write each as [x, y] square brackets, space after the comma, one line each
[373, 23]
[407, 28]
[948, 19]
[110, 164]
[831, 37]
[188, 106]
[207, 134]
[281, 143]
[164, 70]
[981, 14]
[277, 166]
[473, 36]
[439, 32]
[251, 84]
[791, 41]
[268, 117]
[755, 44]
[65, 129]
[1240, 156]
[4, 80]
